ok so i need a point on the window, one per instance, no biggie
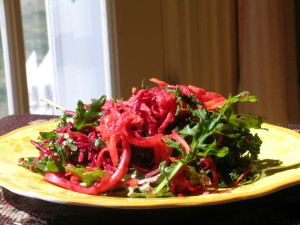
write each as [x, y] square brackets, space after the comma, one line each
[3, 94]
[79, 48]
[38, 59]
[66, 51]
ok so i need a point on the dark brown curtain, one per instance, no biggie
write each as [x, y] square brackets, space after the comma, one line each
[268, 58]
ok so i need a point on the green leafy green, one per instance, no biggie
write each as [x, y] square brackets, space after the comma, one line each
[99, 142]
[88, 116]
[48, 135]
[246, 121]
[202, 132]
[45, 164]
[241, 97]
[88, 177]
[174, 144]
[212, 149]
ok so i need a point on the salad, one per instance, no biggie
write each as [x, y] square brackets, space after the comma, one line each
[168, 140]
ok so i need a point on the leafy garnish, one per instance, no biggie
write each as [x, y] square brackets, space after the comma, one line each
[87, 177]
[46, 164]
[85, 117]
[204, 125]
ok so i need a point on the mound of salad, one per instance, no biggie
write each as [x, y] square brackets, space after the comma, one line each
[168, 140]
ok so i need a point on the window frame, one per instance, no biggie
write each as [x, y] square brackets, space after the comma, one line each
[14, 57]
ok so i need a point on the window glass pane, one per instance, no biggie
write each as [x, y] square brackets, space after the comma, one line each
[38, 58]
[66, 48]
[3, 94]
[78, 42]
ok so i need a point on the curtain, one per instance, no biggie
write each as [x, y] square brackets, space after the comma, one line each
[225, 46]
[267, 58]
[200, 43]
[231, 46]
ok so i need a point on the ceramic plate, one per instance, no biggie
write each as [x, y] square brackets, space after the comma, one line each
[279, 162]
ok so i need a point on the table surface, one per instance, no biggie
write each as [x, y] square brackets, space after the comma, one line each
[281, 207]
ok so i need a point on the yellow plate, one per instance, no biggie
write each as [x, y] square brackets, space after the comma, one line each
[279, 145]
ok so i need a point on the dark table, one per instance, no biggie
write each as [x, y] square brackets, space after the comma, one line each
[282, 207]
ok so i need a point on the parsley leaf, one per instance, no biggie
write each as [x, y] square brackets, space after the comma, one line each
[88, 116]
[88, 177]
[45, 164]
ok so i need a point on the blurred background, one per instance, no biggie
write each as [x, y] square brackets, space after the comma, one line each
[66, 50]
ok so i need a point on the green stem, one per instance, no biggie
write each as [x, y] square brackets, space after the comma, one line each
[157, 189]
[49, 102]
